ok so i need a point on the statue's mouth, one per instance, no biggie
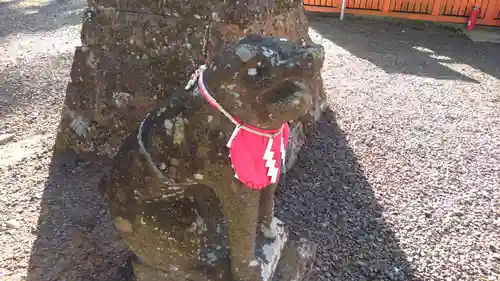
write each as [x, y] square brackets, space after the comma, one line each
[291, 91]
[302, 87]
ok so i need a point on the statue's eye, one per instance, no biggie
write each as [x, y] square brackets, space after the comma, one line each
[253, 72]
[258, 70]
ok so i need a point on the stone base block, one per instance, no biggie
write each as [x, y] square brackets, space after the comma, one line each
[297, 259]
[285, 257]
[282, 257]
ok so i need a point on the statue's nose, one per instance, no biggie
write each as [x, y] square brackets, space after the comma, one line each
[314, 53]
[306, 60]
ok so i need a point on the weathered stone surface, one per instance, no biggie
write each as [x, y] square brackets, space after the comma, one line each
[172, 190]
[146, 35]
[110, 99]
[180, 8]
[137, 52]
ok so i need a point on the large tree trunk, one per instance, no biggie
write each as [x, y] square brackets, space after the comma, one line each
[135, 52]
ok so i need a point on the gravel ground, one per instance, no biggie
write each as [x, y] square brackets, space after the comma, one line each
[400, 182]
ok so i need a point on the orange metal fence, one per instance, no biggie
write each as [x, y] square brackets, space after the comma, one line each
[433, 10]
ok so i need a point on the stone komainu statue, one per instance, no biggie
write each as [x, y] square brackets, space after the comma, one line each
[192, 190]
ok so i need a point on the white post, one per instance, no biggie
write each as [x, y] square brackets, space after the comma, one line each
[342, 9]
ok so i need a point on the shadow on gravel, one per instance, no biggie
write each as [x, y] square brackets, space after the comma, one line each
[327, 199]
[410, 47]
[32, 17]
[75, 239]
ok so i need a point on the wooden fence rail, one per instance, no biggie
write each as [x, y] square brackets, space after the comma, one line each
[457, 11]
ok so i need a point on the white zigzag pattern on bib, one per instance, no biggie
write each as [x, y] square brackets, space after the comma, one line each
[270, 162]
[283, 152]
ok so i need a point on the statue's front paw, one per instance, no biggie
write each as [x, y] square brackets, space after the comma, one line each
[256, 270]
[251, 272]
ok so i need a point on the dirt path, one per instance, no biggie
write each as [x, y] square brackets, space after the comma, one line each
[399, 183]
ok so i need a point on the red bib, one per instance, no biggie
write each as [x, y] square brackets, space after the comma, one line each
[256, 154]
[257, 159]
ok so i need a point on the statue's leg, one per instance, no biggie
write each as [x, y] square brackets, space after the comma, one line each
[266, 207]
[145, 273]
[241, 209]
[272, 234]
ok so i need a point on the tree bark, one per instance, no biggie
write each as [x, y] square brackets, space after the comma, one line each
[135, 52]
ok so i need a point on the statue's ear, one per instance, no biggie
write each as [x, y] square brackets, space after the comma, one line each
[216, 40]
[251, 33]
